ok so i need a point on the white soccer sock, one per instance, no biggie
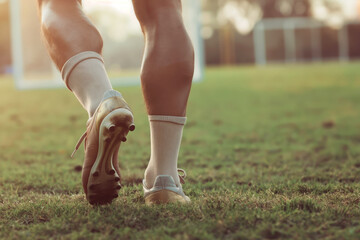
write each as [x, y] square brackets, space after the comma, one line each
[85, 75]
[166, 135]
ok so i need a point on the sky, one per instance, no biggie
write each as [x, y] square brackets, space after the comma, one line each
[124, 8]
[351, 7]
[350, 11]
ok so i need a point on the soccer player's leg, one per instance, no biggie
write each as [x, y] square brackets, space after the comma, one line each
[166, 78]
[75, 46]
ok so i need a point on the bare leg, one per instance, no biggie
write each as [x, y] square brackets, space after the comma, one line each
[68, 32]
[75, 46]
[168, 63]
[166, 76]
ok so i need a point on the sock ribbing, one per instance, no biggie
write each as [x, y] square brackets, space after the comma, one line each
[85, 75]
[171, 119]
[74, 61]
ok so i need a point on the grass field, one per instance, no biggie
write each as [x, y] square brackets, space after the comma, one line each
[271, 153]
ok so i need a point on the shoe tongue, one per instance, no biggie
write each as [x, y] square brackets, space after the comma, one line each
[111, 93]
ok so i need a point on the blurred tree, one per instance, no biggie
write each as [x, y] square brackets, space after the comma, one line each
[228, 16]
[284, 8]
[331, 12]
[5, 53]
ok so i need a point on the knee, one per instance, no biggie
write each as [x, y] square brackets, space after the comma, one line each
[158, 14]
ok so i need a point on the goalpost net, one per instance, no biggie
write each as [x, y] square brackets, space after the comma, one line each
[123, 42]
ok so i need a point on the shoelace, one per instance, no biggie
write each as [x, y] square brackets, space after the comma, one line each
[79, 143]
[81, 139]
[182, 176]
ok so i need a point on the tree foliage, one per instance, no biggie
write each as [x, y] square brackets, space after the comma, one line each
[4, 35]
[284, 8]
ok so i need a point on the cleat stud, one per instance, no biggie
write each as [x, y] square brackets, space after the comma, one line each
[95, 174]
[124, 139]
[118, 187]
[92, 202]
[112, 171]
[115, 195]
[132, 127]
[117, 179]
[107, 140]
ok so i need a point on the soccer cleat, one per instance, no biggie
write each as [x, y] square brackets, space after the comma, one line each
[106, 130]
[165, 191]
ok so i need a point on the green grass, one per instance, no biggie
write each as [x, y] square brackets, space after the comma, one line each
[271, 153]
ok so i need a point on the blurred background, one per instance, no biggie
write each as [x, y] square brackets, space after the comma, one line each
[233, 32]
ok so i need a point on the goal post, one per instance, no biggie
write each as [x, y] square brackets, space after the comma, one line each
[289, 26]
[123, 46]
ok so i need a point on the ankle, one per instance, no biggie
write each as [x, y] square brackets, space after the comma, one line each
[91, 108]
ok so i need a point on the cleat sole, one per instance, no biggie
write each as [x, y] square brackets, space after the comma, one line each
[103, 183]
